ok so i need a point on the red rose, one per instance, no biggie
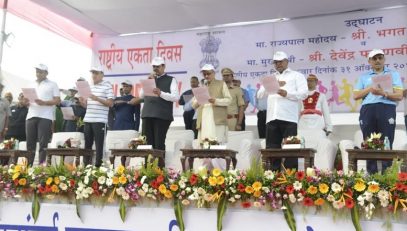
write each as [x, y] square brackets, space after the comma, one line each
[349, 203]
[308, 201]
[193, 179]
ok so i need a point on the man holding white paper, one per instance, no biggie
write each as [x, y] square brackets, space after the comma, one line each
[283, 106]
[157, 113]
[41, 114]
[212, 116]
[378, 111]
[97, 109]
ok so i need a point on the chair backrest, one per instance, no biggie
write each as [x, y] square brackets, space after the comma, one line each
[59, 138]
[358, 138]
[236, 137]
[119, 139]
[400, 140]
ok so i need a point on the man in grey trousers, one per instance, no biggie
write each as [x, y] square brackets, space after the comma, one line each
[41, 114]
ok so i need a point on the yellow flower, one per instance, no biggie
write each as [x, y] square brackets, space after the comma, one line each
[49, 181]
[115, 180]
[162, 188]
[249, 189]
[22, 181]
[56, 180]
[220, 180]
[54, 188]
[375, 135]
[122, 179]
[312, 190]
[257, 186]
[17, 168]
[319, 201]
[120, 169]
[373, 188]
[16, 175]
[168, 194]
[212, 181]
[323, 188]
[174, 187]
[257, 193]
[359, 186]
[216, 172]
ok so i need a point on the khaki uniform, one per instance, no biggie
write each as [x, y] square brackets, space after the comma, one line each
[233, 108]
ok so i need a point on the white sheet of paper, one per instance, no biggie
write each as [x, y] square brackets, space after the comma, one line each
[148, 86]
[271, 84]
[384, 82]
[201, 94]
[30, 94]
[68, 113]
[144, 147]
[83, 89]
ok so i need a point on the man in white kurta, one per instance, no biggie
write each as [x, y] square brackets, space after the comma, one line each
[315, 125]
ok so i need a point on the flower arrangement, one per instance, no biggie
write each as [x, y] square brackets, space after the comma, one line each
[141, 140]
[292, 140]
[353, 193]
[373, 142]
[207, 142]
[70, 143]
[8, 144]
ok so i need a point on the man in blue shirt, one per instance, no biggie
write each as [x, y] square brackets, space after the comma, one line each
[378, 111]
[127, 116]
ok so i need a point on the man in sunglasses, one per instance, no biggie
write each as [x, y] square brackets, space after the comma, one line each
[378, 111]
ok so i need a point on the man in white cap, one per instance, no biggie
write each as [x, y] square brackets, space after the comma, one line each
[41, 114]
[283, 107]
[378, 111]
[157, 113]
[127, 116]
[97, 109]
[212, 116]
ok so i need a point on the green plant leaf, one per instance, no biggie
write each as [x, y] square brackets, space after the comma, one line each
[178, 214]
[355, 218]
[35, 208]
[289, 216]
[222, 205]
[77, 209]
[122, 210]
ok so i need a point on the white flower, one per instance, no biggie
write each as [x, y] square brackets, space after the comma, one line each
[201, 191]
[368, 196]
[361, 200]
[330, 198]
[62, 178]
[142, 193]
[232, 172]
[101, 179]
[269, 175]
[257, 204]
[109, 181]
[143, 179]
[181, 184]
[336, 187]
[383, 195]
[120, 191]
[103, 169]
[86, 180]
[110, 174]
[125, 196]
[237, 196]
[373, 183]
[384, 203]
[145, 187]
[63, 186]
[264, 189]
[292, 198]
[232, 200]
[297, 185]
[311, 172]
[338, 204]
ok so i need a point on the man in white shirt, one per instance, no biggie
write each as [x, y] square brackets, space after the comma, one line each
[41, 114]
[97, 110]
[283, 107]
[157, 113]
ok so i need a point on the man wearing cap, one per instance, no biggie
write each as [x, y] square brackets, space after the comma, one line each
[127, 116]
[315, 109]
[283, 107]
[69, 101]
[378, 111]
[41, 114]
[236, 107]
[186, 101]
[212, 116]
[157, 111]
[97, 109]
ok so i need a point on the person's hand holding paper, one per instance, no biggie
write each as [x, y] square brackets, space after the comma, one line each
[201, 94]
[83, 89]
[30, 94]
[383, 82]
[68, 113]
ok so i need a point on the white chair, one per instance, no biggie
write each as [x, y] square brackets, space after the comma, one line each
[120, 140]
[399, 143]
[326, 150]
[59, 138]
[174, 142]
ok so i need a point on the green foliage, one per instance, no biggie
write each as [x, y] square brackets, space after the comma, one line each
[256, 171]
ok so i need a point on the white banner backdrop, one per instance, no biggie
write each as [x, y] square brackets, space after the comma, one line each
[333, 47]
[59, 217]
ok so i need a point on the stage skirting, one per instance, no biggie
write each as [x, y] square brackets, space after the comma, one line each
[151, 217]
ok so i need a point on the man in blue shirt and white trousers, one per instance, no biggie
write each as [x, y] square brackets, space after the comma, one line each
[378, 111]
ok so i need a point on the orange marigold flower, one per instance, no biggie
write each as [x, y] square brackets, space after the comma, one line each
[168, 194]
[212, 181]
[220, 180]
[49, 181]
[319, 202]
[312, 190]
[249, 189]
[57, 180]
[323, 188]
[162, 188]
[122, 179]
[257, 186]
[257, 193]
[373, 188]
[22, 181]
[54, 188]
[174, 187]
[115, 180]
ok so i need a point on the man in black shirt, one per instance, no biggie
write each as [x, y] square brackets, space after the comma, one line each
[16, 125]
